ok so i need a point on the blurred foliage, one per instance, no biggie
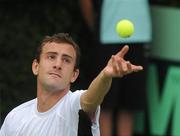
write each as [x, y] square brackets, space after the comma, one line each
[22, 26]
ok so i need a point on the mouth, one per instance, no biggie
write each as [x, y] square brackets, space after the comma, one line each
[55, 74]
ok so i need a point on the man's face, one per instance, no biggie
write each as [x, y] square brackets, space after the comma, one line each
[55, 70]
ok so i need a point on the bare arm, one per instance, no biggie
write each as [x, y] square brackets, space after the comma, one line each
[87, 10]
[116, 67]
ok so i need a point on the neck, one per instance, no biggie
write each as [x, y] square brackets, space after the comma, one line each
[47, 99]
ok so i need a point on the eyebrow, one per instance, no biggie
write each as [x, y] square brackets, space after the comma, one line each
[55, 53]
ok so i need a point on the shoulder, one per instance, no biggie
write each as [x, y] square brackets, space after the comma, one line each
[16, 116]
[72, 99]
[19, 110]
[24, 105]
[73, 96]
[77, 92]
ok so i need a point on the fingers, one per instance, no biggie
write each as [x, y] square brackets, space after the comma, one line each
[123, 51]
[115, 64]
[132, 68]
[122, 67]
[118, 67]
[137, 68]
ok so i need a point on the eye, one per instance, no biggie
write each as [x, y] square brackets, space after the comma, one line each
[51, 57]
[66, 60]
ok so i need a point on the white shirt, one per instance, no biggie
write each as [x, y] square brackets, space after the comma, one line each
[61, 120]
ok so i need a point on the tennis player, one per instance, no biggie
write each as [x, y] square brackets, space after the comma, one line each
[55, 111]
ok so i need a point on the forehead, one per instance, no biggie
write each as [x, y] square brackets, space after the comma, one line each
[59, 48]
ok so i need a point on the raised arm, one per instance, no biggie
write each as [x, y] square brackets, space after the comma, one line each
[117, 66]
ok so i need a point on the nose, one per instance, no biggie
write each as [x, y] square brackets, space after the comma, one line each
[58, 64]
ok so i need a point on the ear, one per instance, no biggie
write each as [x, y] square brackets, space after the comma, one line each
[75, 75]
[35, 67]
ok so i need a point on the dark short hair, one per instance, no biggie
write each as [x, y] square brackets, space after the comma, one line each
[59, 38]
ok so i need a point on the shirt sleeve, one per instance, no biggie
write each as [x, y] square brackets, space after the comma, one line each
[2, 130]
[6, 128]
[95, 123]
[76, 106]
[75, 100]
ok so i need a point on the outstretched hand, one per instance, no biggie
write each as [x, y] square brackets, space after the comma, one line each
[118, 67]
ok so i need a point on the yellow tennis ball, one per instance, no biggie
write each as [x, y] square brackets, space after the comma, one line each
[125, 28]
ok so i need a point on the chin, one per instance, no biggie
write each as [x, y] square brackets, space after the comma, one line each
[52, 88]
